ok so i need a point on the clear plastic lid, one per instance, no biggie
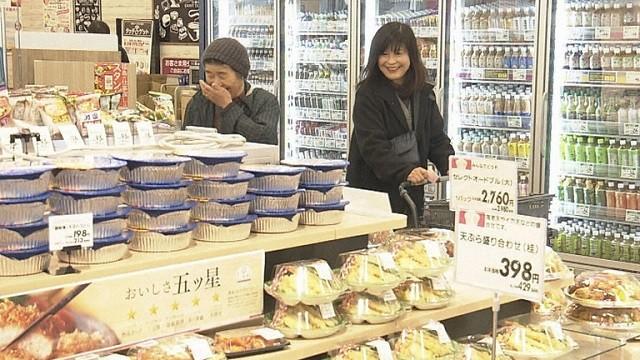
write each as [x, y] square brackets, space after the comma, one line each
[426, 294]
[372, 270]
[445, 236]
[478, 348]
[307, 321]
[608, 319]
[311, 282]
[248, 340]
[553, 304]
[554, 268]
[544, 340]
[421, 258]
[363, 307]
[605, 289]
[376, 349]
[179, 347]
[428, 342]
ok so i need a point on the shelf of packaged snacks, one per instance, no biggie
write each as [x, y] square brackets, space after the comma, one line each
[603, 171]
[598, 262]
[600, 213]
[511, 75]
[499, 36]
[602, 77]
[523, 163]
[606, 33]
[496, 122]
[352, 225]
[600, 128]
[466, 300]
[426, 31]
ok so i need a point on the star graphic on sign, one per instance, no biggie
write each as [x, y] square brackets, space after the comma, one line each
[215, 297]
[132, 315]
[153, 310]
[175, 306]
[195, 301]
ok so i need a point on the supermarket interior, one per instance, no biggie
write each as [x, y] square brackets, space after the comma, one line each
[218, 179]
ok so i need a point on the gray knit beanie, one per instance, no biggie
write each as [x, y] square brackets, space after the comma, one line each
[228, 51]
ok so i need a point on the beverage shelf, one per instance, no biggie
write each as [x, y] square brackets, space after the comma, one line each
[328, 27]
[321, 33]
[594, 212]
[499, 36]
[320, 114]
[604, 171]
[523, 163]
[321, 120]
[619, 33]
[263, 43]
[318, 86]
[496, 122]
[600, 128]
[325, 61]
[506, 75]
[599, 262]
[317, 142]
[430, 63]
[426, 32]
[253, 20]
[602, 77]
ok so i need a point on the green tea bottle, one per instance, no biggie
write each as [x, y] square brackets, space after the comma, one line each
[590, 150]
[607, 246]
[558, 242]
[601, 194]
[635, 250]
[623, 153]
[612, 157]
[616, 247]
[625, 249]
[585, 242]
[590, 192]
[601, 152]
[570, 149]
[595, 244]
[581, 155]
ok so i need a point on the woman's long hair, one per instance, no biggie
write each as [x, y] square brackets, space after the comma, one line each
[393, 36]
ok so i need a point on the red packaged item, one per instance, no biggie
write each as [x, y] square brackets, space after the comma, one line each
[110, 78]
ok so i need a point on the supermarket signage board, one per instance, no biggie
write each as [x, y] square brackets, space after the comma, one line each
[133, 307]
[483, 184]
[501, 252]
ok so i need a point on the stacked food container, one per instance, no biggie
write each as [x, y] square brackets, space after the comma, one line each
[305, 291]
[157, 192]
[92, 185]
[24, 232]
[323, 183]
[428, 342]
[557, 275]
[220, 192]
[608, 300]
[538, 340]
[276, 197]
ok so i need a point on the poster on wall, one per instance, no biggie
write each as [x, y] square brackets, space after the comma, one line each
[178, 20]
[137, 40]
[85, 12]
[177, 66]
[57, 16]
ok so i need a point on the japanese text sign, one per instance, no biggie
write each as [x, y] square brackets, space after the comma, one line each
[483, 184]
[501, 252]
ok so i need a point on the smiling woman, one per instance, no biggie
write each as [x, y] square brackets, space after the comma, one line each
[397, 126]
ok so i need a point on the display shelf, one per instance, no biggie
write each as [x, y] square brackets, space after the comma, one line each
[523, 163]
[320, 120]
[352, 225]
[329, 86]
[511, 75]
[595, 177]
[466, 300]
[253, 20]
[598, 262]
[323, 144]
[496, 122]
[321, 33]
[430, 63]
[499, 36]
[299, 90]
[426, 31]
[325, 61]
[600, 128]
[330, 27]
[619, 33]
[604, 171]
[602, 77]
[603, 213]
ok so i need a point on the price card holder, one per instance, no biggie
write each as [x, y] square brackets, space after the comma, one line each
[14, 147]
[586, 169]
[583, 127]
[44, 146]
[71, 136]
[502, 35]
[443, 337]
[603, 33]
[514, 122]
[145, 133]
[122, 134]
[633, 216]
[268, 333]
[631, 32]
[631, 129]
[582, 210]
[97, 135]
[519, 75]
[382, 348]
[327, 311]
[629, 172]
[68, 233]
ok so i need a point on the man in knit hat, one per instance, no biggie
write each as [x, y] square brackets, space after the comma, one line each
[227, 102]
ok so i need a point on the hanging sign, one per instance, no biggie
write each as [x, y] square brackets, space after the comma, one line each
[137, 40]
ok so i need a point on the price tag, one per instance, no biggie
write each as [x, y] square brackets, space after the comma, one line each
[477, 73]
[324, 271]
[438, 284]
[5, 140]
[514, 122]
[200, 349]
[632, 216]
[502, 35]
[433, 248]
[97, 135]
[586, 169]
[71, 136]
[573, 76]
[498, 179]
[628, 172]
[519, 75]
[489, 341]
[582, 210]
[382, 348]
[431, 63]
[70, 230]
[386, 260]
[122, 134]
[389, 296]
[529, 36]
[443, 337]
[631, 129]
[45, 145]
[501, 252]
[145, 133]
[327, 311]
[583, 126]
[631, 32]
[268, 333]
[602, 33]
[632, 77]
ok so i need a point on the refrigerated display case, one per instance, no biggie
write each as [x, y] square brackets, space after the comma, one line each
[595, 130]
[492, 81]
[252, 23]
[316, 79]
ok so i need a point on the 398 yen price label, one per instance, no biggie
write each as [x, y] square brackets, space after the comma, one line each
[501, 252]
[70, 231]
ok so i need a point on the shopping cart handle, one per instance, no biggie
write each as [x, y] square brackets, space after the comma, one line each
[407, 184]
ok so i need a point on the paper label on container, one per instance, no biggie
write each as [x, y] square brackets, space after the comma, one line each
[199, 349]
[327, 311]
[389, 295]
[45, 145]
[630, 32]
[382, 348]
[582, 210]
[71, 136]
[438, 284]
[489, 342]
[145, 133]
[386, 260]
[268, 333]
[632, 216]
[70, 231]
[97, 135]
[122, 134]
[554, 329]
[433, 248]
[443, 337]
[628, 172]
[324, 271]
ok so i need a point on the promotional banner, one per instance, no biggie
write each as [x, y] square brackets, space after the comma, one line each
[175, 66]
[57, 16]
[133, 307]
[137, 39]
[178, 20]
[85, 12]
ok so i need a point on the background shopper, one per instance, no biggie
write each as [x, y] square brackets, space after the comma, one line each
[397, 123]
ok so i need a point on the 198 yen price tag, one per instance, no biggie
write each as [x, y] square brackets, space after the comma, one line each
[70, 231]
